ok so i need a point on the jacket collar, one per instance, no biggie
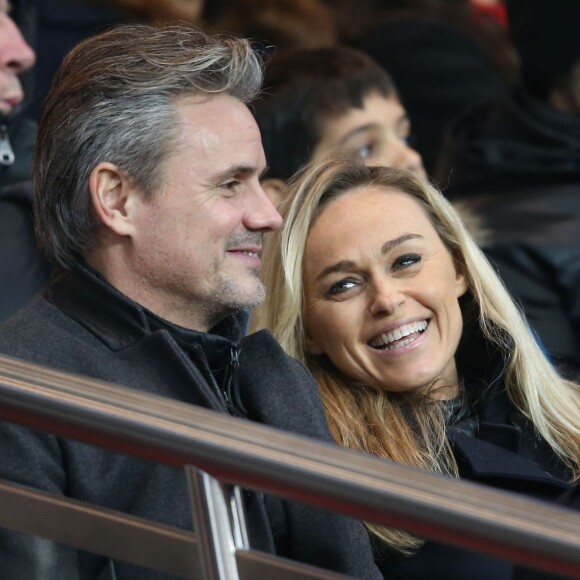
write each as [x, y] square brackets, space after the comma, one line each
[481, 367]
[119, 322]
[500, 443]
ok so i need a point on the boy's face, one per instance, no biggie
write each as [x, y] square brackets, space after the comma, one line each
[377, 133]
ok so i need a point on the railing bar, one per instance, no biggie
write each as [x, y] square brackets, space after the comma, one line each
[262, 458]
[252, 565]
[98, 530]
[140, 542]
[212, 524]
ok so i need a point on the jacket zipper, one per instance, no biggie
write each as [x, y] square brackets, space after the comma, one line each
[6, 151]
[209, 375]
[229, 391]
[233, 383]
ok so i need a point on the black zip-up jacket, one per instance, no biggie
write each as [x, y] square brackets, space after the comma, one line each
[515, 163]
[83, 325]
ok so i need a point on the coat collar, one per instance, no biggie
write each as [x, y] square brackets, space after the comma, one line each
[119, 322]
[496, 442]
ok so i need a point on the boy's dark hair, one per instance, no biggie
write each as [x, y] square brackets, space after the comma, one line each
[303, 89]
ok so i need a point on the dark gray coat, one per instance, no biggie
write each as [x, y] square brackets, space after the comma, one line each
[82, 325]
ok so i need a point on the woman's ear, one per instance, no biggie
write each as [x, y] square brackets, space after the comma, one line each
[460, 283]
[112, 195]
[274, 188]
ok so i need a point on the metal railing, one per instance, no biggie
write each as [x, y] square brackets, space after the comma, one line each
[227, 452]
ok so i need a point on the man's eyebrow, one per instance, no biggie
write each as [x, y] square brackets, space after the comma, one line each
[346, 265]
[244, 170]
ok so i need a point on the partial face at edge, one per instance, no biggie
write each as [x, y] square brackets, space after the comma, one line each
[381, 293]
[377, 133]
[15, 57]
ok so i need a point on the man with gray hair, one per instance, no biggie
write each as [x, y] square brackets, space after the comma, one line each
[148, 200]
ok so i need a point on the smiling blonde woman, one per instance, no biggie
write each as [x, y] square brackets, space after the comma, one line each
[419, 353]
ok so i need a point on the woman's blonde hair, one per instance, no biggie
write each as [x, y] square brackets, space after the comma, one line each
[399, 427]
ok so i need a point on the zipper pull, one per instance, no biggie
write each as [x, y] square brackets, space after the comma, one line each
[6, 151]
[233, 388]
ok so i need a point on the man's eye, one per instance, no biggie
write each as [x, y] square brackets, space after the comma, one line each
[231, 186]
[341, 287]
[406, 261]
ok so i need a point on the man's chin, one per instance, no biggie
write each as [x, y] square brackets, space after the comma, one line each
[241, 297]
[253, 298]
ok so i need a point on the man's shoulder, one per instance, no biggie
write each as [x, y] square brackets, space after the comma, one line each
[39, 333]
[278, 390]
[32, 318]
[262, 350]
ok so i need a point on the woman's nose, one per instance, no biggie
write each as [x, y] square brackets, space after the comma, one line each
[387, 297]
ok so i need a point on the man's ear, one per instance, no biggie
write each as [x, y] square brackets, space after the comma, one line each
[274, 188]
[112, 195]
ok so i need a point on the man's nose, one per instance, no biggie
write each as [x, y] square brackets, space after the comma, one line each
[15, 54]
[261, 214]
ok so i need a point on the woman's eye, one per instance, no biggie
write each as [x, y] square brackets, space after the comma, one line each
[406, 261]
[341, 287]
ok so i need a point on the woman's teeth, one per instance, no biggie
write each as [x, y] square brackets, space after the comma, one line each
[386, 341]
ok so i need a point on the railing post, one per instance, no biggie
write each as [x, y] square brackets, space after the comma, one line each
[219, 523]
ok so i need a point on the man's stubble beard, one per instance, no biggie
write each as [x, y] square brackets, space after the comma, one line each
[229, 299]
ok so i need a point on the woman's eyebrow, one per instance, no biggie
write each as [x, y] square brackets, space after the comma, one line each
[341, 266]
[388, 246]
[345, 265]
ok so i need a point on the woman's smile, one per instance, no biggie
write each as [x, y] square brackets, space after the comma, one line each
[399, 337]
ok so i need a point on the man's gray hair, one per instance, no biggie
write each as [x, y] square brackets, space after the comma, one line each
[113, 99]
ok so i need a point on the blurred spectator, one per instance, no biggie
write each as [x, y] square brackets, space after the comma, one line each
[161, 11]
[330, 100]
[283, 24]
[494, 9]
[62, 24]
[443, 56]
[22, 270]
[516, 161]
